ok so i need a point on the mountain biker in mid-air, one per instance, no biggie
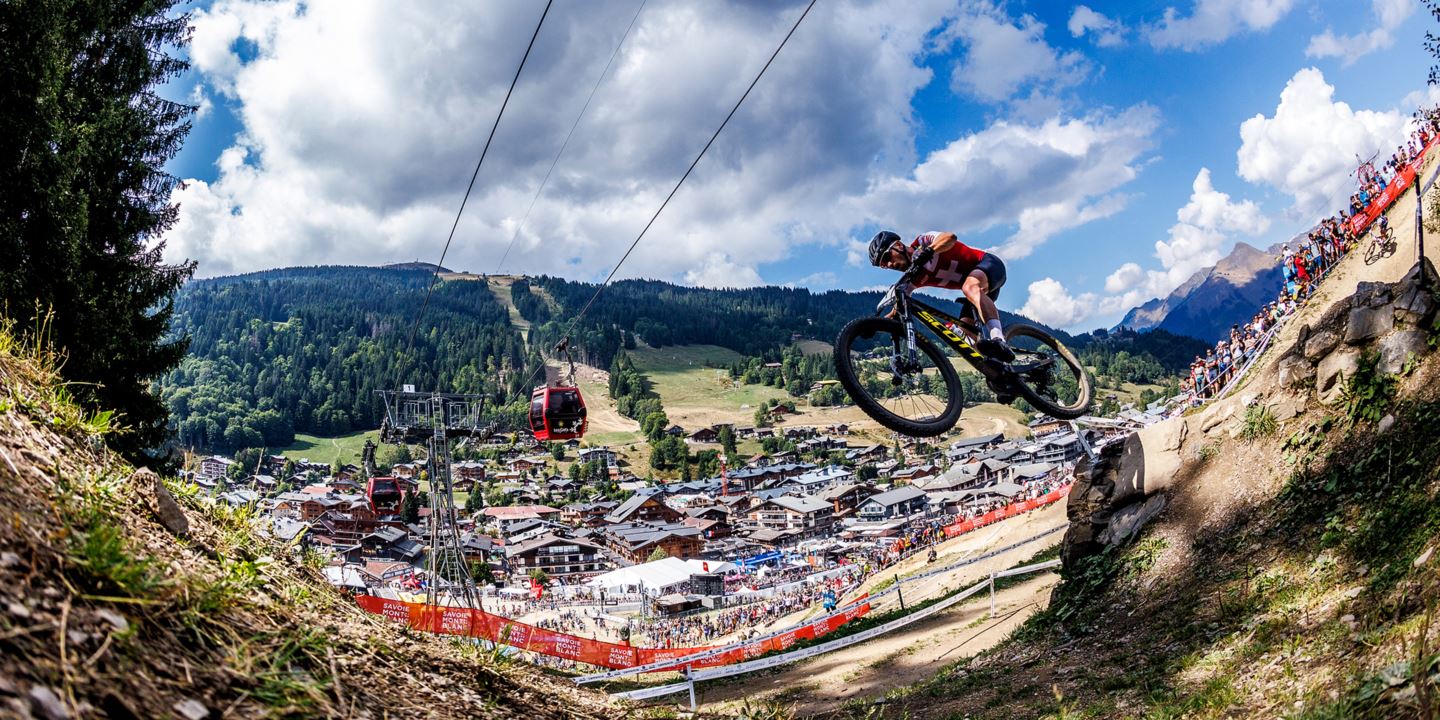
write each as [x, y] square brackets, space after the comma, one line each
[948, 263]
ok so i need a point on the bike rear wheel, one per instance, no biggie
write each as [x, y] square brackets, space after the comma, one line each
[1374, 250]
[920, 398]
[1047, 374]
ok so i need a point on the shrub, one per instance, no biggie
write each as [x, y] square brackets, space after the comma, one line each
[1366, 394]
[1259, 423]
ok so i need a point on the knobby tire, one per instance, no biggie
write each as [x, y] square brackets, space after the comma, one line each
[1070, 362]
[868, 327]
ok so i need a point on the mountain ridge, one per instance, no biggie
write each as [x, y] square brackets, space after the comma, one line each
[1213, 299]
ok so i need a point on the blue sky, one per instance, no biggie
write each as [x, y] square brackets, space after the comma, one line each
[1105, 150]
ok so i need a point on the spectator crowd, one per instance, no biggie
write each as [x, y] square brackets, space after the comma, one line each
[1302, 269]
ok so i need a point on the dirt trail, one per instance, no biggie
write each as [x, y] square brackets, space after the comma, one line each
[599, 407]
[502, 286]
[911, 654]
[916, 652]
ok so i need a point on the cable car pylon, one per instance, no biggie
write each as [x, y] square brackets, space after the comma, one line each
[434, 418]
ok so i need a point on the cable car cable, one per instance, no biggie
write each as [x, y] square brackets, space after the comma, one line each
[676, 189]
[565, 337]
[501, 265]
[414, 326]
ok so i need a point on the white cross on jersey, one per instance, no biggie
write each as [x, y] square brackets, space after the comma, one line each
[951, 275]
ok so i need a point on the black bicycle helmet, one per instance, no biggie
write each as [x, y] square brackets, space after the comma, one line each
[880, 244]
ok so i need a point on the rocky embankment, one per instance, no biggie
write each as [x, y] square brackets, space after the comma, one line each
[1131, 482]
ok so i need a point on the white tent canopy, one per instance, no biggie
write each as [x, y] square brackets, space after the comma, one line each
[711, 566]
[651, 578]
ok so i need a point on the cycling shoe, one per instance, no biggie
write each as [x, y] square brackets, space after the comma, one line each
[996, 350]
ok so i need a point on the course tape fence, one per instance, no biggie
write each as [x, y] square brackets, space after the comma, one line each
[695, 676]
[704, 658]
[470, 622]
[629, 659]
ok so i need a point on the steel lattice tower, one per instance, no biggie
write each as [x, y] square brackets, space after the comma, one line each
[436, 418]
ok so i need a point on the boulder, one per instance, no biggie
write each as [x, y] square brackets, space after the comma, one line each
[1287, 408]
[1414, 306]
[1397, 347]
[1330, 374]
[1371, 294]
[1321, 343]
[1218, 413]
[1174, 435]
[1125, 474]
[1368, 322]
[162, 503]
[1294, 370]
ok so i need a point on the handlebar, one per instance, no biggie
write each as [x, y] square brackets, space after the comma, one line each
[917, 263]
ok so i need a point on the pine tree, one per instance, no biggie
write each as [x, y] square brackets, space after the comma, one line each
[84, 195]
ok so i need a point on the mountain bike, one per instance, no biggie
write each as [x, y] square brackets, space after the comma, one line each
[1382, 245]
[905, 382]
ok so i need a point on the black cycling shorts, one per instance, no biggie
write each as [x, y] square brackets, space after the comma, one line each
[994, 270]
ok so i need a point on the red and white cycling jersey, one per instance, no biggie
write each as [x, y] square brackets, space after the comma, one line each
[946, 269]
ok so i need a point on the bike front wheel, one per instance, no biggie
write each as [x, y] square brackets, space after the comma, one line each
[1048, 375]
[916, 394]
[1374, 251]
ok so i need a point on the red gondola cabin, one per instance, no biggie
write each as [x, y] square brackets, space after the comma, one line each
[385, 494]
[557, 413]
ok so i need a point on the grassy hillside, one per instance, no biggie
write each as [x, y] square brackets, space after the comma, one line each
[129, 596]
[342, 449]
[696, 395]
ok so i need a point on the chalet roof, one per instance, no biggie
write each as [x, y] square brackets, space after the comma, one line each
[387, 535]
[702, 524]
[526, 525]
[769, 535]
[1032, 470]
[1061, 440]
[628, 508]
[804, 506]
[976, 441]
[286, 530]
[638, 535]
[546, 540]
[1004, 453]
[896, 496]
[1003, 489]
[769, 493]
[480, 542]
[517, 512]
[707, 510]
[841, 491]
[381, 568]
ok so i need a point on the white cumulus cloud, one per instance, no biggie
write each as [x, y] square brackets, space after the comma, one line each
[1214, 21]
[1050, 303]
[1005, 56]
[1124, 278]
[1108, 32]
[1203, 230]
[1042, 179]
[1389, 13]
[1308, 146]
[362, 121]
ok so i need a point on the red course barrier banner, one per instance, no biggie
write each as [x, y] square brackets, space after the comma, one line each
[1011, 510]
[1404, 178]
[503, 630]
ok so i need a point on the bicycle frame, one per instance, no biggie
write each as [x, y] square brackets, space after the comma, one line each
[938, 321]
